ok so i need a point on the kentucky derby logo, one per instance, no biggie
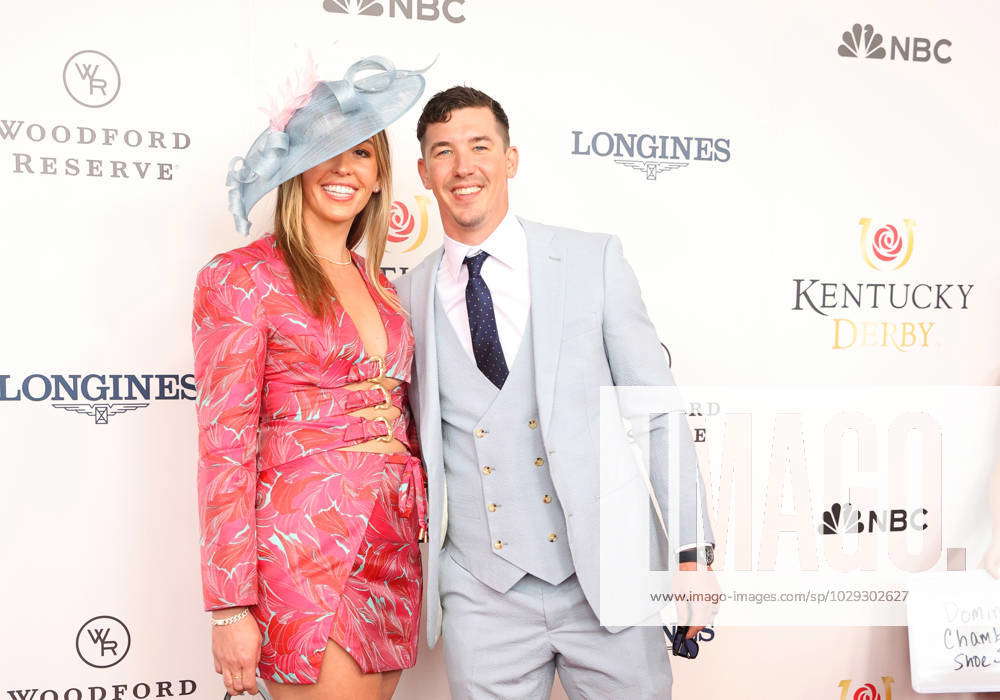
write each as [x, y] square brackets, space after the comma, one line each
[864, 42]
[868, 691]
[405, 225]
[885, 248]
[103, 641]
[91, 78]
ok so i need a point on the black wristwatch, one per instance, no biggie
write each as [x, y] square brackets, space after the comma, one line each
[689, 555]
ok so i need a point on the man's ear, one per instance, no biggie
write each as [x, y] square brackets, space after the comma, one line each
[512, 161]
[422, 170]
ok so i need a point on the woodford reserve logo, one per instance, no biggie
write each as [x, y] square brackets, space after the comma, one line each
[122, 153]
[885, 247]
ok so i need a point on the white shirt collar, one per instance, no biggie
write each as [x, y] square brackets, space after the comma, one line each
[507, 244]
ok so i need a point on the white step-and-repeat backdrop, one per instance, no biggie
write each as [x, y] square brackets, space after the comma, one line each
[742, 150]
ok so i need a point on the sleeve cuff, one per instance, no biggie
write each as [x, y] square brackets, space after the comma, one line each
[689, 552]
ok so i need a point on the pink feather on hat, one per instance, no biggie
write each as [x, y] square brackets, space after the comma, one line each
[293, 97]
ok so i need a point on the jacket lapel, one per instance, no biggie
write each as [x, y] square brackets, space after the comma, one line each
[428, 398]
[547, 277]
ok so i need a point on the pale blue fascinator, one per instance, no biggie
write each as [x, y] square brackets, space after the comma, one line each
[317, 121]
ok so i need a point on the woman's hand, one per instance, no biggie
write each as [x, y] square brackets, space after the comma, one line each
[236, 649]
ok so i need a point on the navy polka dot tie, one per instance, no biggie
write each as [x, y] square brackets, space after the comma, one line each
[483, 323]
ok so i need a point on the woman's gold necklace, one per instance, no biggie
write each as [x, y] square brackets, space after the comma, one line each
[335, 262]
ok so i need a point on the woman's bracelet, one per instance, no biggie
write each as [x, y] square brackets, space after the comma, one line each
[232, 619]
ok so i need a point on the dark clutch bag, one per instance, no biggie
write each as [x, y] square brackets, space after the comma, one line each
[685, 648]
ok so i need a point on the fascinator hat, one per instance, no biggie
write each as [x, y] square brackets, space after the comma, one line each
[316, 121]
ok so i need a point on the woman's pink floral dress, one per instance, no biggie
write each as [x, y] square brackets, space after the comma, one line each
[320, 542]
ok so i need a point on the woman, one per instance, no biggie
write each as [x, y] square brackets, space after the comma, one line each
[311, 498]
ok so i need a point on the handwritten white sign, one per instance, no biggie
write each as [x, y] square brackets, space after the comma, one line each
[954, 630]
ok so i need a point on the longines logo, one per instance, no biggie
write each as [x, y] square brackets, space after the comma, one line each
[844, 518]
[91, 78]
[651, 154]
[99, 396]
[424, 10]
[103, 641]
[865, 42]
[886, 246]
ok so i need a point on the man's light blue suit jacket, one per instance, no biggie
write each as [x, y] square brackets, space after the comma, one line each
[590, 329]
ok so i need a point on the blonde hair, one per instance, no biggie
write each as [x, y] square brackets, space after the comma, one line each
[371, 225]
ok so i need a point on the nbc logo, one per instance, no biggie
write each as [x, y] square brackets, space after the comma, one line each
[425, 10]
[841, 519]
[865, 42]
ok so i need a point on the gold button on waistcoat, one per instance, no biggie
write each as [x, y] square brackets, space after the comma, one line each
[492, 507]
[539, 461]
[553, 537]
[547, 499]
[487, 470]
[498, 545]
[481, 432]
[532, 423]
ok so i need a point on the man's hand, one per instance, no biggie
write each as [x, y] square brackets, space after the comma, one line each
[697, 581]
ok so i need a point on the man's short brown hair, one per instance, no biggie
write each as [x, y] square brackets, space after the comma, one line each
[439, 108]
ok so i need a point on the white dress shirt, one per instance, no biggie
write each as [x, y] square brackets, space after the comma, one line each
[505, 272]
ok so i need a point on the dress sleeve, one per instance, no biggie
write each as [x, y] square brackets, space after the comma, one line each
[230, 341]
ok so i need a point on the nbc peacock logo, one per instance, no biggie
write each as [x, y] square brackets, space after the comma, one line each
[862, 41]
[841, 519]
[370, 8]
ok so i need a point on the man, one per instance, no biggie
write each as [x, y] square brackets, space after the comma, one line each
[517, 325]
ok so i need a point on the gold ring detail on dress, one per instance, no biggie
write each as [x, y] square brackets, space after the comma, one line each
[388, 427]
